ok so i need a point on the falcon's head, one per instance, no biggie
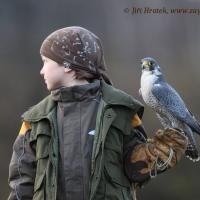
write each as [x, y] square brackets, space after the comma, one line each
[150, 64]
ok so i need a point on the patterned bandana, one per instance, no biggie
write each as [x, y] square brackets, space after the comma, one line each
[76, 48]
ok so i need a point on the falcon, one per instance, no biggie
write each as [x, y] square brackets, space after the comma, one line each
[170, 108]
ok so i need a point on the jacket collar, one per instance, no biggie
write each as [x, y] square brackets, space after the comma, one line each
[76, 92]
[110, 95]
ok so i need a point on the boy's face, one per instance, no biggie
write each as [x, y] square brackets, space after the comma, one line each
[53, 73]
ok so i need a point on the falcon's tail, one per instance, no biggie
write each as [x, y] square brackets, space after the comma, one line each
[191, 151]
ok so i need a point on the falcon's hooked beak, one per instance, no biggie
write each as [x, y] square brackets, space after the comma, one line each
[146, 65]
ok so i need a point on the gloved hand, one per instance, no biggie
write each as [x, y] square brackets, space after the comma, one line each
[168, 145]
[161, 152]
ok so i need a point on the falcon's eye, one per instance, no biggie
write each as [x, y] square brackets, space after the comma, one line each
[150, 63]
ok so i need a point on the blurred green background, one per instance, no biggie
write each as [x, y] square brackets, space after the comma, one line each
[172, 39]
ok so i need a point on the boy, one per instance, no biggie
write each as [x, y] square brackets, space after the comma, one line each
[85, 140]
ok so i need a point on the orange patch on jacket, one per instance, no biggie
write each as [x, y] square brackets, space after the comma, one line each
[24, 128]
[136, 121]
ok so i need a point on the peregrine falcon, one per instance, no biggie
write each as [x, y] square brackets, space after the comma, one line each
[168, 105]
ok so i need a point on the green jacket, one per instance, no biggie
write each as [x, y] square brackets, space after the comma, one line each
[113, 127]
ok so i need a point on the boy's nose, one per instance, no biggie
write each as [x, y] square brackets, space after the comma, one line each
[41, 72]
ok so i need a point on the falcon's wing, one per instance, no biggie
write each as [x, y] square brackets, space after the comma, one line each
[170, 100]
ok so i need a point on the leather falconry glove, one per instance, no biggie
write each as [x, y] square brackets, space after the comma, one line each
[161, 152]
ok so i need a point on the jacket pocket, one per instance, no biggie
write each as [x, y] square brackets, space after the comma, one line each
[39, 187]
[117, 184]
[117, 188]
[42, 158]
[113, 157]
[116, 175]
[42, 146]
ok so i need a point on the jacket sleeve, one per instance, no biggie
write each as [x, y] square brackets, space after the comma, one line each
[22, 168]
[137, 136]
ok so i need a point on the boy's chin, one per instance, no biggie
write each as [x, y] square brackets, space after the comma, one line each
[51, 88]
